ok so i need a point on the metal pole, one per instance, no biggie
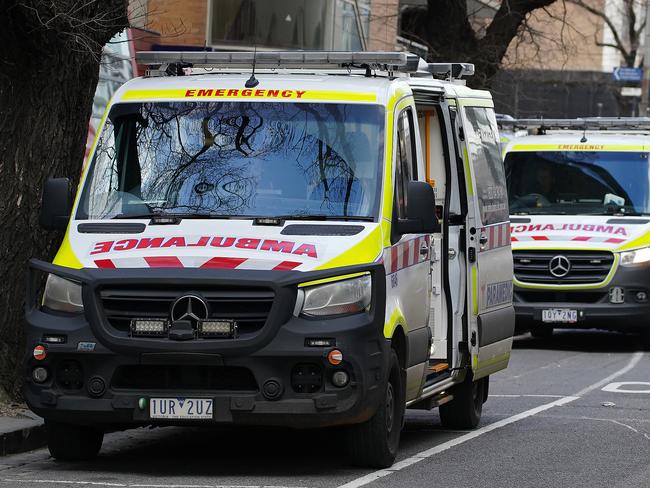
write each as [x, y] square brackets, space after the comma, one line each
[645, 86]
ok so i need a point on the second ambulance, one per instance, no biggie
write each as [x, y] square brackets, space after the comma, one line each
[579, 194]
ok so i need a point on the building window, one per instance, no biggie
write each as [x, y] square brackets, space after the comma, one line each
[285, 24]
[290, 24]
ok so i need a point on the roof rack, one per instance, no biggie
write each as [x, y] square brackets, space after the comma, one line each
[594, 123]
[450, 70]
[173, 62]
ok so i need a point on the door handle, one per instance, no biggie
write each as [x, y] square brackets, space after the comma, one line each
[452, 254]
[483, 240]
[424, 249]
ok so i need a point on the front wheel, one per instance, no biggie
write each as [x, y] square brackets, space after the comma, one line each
[464, 411]
[373, 444]
[68, 442]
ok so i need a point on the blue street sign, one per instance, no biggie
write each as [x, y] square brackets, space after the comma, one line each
[628, 74]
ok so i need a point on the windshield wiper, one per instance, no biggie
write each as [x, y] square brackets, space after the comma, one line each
[163, 215]
[315, 217]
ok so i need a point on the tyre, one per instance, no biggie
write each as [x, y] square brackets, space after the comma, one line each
[68, 442]
[374, 443]
[541, 332]
[464, 411]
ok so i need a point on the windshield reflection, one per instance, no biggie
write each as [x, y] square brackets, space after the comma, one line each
[236, 159]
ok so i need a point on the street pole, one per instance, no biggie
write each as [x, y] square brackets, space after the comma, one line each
[645, 86]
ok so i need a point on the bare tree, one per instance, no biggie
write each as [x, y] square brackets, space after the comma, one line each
[49, 67]
[446, 27]
[626, 36]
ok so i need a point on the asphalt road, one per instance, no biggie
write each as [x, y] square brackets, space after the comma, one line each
[567, 412]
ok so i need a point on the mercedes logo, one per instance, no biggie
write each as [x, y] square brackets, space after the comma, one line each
[191, 308]
[559, 266]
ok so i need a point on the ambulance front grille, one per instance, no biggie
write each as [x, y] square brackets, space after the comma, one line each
[248, 307]
[587, 267]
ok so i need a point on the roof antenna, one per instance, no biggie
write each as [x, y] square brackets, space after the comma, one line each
[584, 134]
[252, 82]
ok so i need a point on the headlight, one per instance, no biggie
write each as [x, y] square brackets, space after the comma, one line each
[62, 295]
[341, 297]
[638, 256]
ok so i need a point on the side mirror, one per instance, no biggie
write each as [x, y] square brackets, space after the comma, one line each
[56, 204]
[421, 208]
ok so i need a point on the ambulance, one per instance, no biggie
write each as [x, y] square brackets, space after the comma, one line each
[579, 194]
[293, 239]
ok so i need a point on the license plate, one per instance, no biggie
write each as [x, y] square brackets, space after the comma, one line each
[560, 315]
[180, 408]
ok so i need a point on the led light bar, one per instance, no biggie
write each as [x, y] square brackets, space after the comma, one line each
[600, 123]
[451, 70]
[380, 60]
[217, 328]
[149, 327]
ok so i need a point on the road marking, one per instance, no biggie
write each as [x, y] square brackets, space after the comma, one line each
[134, 485]
[416, 458]
[527, 396]
[616, 387]
[369, 478]
[636, 357]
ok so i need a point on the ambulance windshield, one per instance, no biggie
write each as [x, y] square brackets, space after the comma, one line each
[578, 182]
[237, 159]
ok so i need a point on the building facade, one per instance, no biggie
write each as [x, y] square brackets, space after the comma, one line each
[278, 24]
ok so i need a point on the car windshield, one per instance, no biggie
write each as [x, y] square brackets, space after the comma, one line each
[578, 182]
[227, 159]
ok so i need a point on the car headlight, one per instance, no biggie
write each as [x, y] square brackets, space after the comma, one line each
[638, 256]
[341, 297]
[62, 295]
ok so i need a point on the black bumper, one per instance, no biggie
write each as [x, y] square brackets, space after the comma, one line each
[595, 311]
[230, 371]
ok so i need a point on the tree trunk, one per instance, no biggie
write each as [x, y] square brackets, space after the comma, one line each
[444, 26]
[49, 67]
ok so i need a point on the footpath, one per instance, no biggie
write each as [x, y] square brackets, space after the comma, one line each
[20, 429]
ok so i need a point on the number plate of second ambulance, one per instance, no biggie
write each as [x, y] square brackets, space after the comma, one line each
[560, 315]
[180, 408]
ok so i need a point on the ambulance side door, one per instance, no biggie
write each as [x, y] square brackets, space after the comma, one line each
[409, 268]
[490, 313]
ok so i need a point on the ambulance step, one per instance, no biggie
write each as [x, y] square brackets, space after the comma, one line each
[432, 401]
[438, 368]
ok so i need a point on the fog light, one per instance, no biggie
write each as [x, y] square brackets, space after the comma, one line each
[96, 386]
[320, 342]
[55, 339]
[641, 296]
[148, 327]
[340, 379]
[272, 389]
[335, 357]
[40, 353]
[40, 375]
[217, 328]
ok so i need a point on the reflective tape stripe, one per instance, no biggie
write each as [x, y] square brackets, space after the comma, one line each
[239, 94]
[217, 262]
[404, 254]
[498, 236]
[565, 238]
[576, 147]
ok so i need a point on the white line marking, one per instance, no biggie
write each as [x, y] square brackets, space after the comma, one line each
[616, 387]
[527, 396]
[369, 478]
[416, 458]
[636, 357]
